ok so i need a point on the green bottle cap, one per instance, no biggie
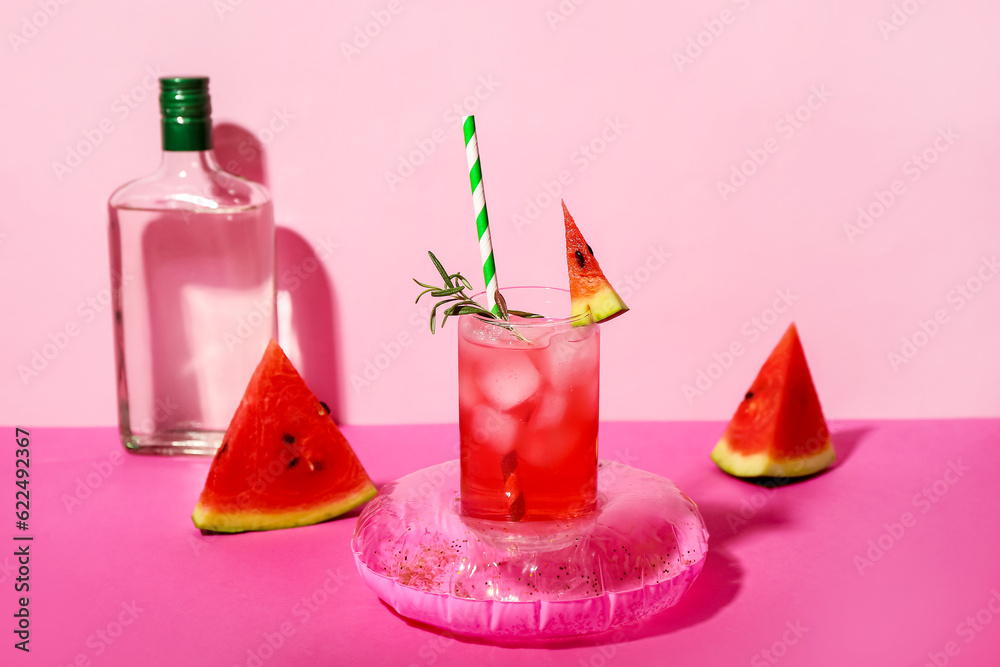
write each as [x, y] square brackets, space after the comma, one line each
[186, 111]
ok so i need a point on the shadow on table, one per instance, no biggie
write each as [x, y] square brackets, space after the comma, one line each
[715, 587]
[720, 580]
[845, 441]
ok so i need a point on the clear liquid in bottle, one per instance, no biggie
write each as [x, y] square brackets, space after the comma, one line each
[192, 269]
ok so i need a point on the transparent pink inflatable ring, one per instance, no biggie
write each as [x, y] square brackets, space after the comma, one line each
[633, 557]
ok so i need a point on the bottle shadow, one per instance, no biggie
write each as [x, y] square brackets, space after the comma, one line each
[240, 152]
[307, 316]
[306, 300]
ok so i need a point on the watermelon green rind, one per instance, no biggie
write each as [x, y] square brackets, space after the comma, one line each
[762, 465]
[589, 288]
[604, 305]
[779, 429]
[221, 521]
[283, 461]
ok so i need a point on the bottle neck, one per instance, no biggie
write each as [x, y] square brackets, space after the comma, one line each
[185, 163]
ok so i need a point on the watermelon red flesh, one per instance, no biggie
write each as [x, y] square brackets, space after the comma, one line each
[283, 462]
[778, 430]
[589, 289]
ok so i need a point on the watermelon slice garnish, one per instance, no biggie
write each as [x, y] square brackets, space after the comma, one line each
[778, 430]
[589, 289]
[283, 462]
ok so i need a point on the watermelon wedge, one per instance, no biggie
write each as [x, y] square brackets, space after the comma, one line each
[778, 430]
[589, 289]
[283, 461]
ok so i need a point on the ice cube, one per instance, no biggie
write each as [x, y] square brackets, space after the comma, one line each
[493, 428]
[571, 360]
[468, 385]
[541, 444]
[509, 381]
[544, 448]
[538, 337]
[551, 411]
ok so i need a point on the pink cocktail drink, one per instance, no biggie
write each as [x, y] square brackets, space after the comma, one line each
[528, 412]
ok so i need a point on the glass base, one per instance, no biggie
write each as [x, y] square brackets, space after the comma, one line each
[168, 443]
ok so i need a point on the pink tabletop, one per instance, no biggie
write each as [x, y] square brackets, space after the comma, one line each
[890, 558]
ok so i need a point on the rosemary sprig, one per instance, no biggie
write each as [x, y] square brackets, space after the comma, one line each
[452, 295]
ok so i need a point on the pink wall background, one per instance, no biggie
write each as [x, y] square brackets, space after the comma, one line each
[890, 82]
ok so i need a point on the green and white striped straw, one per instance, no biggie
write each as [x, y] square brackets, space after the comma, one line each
[482, 220]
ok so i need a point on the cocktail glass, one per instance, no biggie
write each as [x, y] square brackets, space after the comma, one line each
[528, 411]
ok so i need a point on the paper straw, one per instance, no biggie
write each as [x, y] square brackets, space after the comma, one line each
[482, 220]
[508, 466]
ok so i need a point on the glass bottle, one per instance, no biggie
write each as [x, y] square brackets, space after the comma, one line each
[193, 284]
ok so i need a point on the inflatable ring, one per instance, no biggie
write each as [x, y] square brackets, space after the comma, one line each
[633, 557]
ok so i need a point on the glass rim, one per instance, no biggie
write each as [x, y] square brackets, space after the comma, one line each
[580, 319]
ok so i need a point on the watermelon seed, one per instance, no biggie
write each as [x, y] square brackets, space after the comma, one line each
[325, 407]
[579, 259]
[291, 464]
[590, 250]
[289, 439]
[748, 396]
[225, 446]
